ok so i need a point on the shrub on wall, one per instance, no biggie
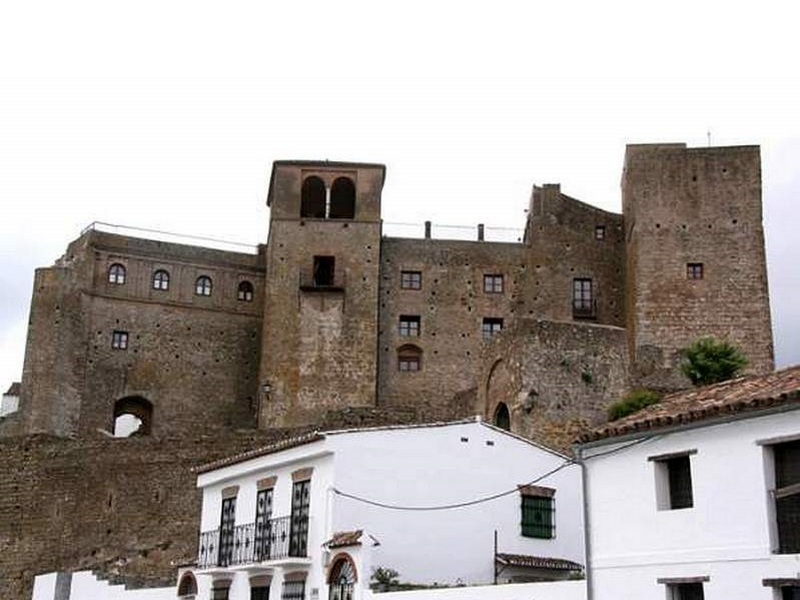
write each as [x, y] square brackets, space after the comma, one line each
[709, 361]
[633, 402]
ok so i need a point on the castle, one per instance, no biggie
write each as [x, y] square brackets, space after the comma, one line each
[331, 318]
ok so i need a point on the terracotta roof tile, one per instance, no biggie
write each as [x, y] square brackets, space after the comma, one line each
[736, 396]
[341, 539]
[537, 562]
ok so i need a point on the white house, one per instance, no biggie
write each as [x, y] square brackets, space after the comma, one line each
[9, 403]
[698, 496]
[311, 517]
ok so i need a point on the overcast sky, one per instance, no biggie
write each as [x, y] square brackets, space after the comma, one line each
[169, 115]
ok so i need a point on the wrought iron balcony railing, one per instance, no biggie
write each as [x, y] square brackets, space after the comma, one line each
[253, 543]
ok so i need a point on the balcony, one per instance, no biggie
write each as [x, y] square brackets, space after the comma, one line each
[275, 539]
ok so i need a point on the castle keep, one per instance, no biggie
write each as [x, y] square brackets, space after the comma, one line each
[332, 323]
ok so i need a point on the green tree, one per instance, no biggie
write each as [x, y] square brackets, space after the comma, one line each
[631, 403]
[709, 361]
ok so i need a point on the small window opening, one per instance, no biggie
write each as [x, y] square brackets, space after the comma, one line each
[312, 202]
[116, 274]
[685, 591]
[409, 326]
[119, 340]
[674, 482]
[324, 270]
[502, 418]
[491, 326]
[694, 270]
[133, 415]
[161, 280]
[493, 284]
[410, 280]
[600, 232]
[583, 304]
[409, 358]
[245, 292]
[343, 199]
[202, 287]
[538, 516]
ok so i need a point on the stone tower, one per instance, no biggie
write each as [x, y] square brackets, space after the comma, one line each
[696, 263]
[320, 326]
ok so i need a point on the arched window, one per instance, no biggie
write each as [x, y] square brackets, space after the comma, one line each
[116, 274]
[502, 418]
[409, 358]
[202, 287]
[312, 198]
[245, 293]
[161, 280]
[343, 199]
[342, 579]
[187, 588]
[133, 415]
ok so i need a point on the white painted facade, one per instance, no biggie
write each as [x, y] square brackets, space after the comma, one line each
[728, 538]
[84, 585]
[9, 403]
[416, 466]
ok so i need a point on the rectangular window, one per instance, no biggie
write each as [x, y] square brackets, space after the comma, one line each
[600, 232]
[491, 326]
[324, 271]
[583, 306]
[227, 522]
[119, 340]
[538, 517]
[787, 496]
[790, 593]
[410, 280]
[220, 592]
[298, 522]
[409, 325]
[408, 361]
[293, 590]
[259, 593]
[685, 591]
[263, 532]
[493, 284]
[674, 480]
[694, 270]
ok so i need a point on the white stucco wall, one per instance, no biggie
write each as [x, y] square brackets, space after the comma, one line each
[561, 590]
[85, 586]
[433, 466]
[8, 404]
[728, 534]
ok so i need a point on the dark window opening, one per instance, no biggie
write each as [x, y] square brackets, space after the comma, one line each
[409, 326]
[409, 358]
[116, 274]
[790, 592]
[245, 292]
[202, 287]
[502, 418]
[343, 199]
[133, 415]
[674, 482]
[491, 326]
[312, 200]
[685, 591]
[583, 304]
[538, 517]
[787, 496]
[600, 232]
[493, 284]
[410, 280]
[342, 579]
[220, 590]
[187, 588]
[161, 280]
[260, 592]
[293, 590]
[263, 529]
[298, 525]
[694, 270]
[324, 271]
[227, 527]
[119, 340]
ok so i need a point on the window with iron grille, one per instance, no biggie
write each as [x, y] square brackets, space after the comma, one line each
[341, 580]
[538, 517]
[226, 529]
[787, 496]
[116, 274]
[694, 270]
[262, 537]
[674, 480]
[583, 306]
[491, 326]
[409, 325]
[410, 280]
[493, 283]
[298, 526]
[202, 287]
[119, 340]
[685, 591]
[293, 590]
[260, 592]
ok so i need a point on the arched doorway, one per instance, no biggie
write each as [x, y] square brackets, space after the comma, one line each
[187, 588]
[342, 578]
[133, 415]
[502, 417]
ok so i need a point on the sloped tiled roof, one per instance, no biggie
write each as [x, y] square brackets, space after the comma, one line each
[537, 562]
[341, 539]
[741, 395]
[284, 444]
